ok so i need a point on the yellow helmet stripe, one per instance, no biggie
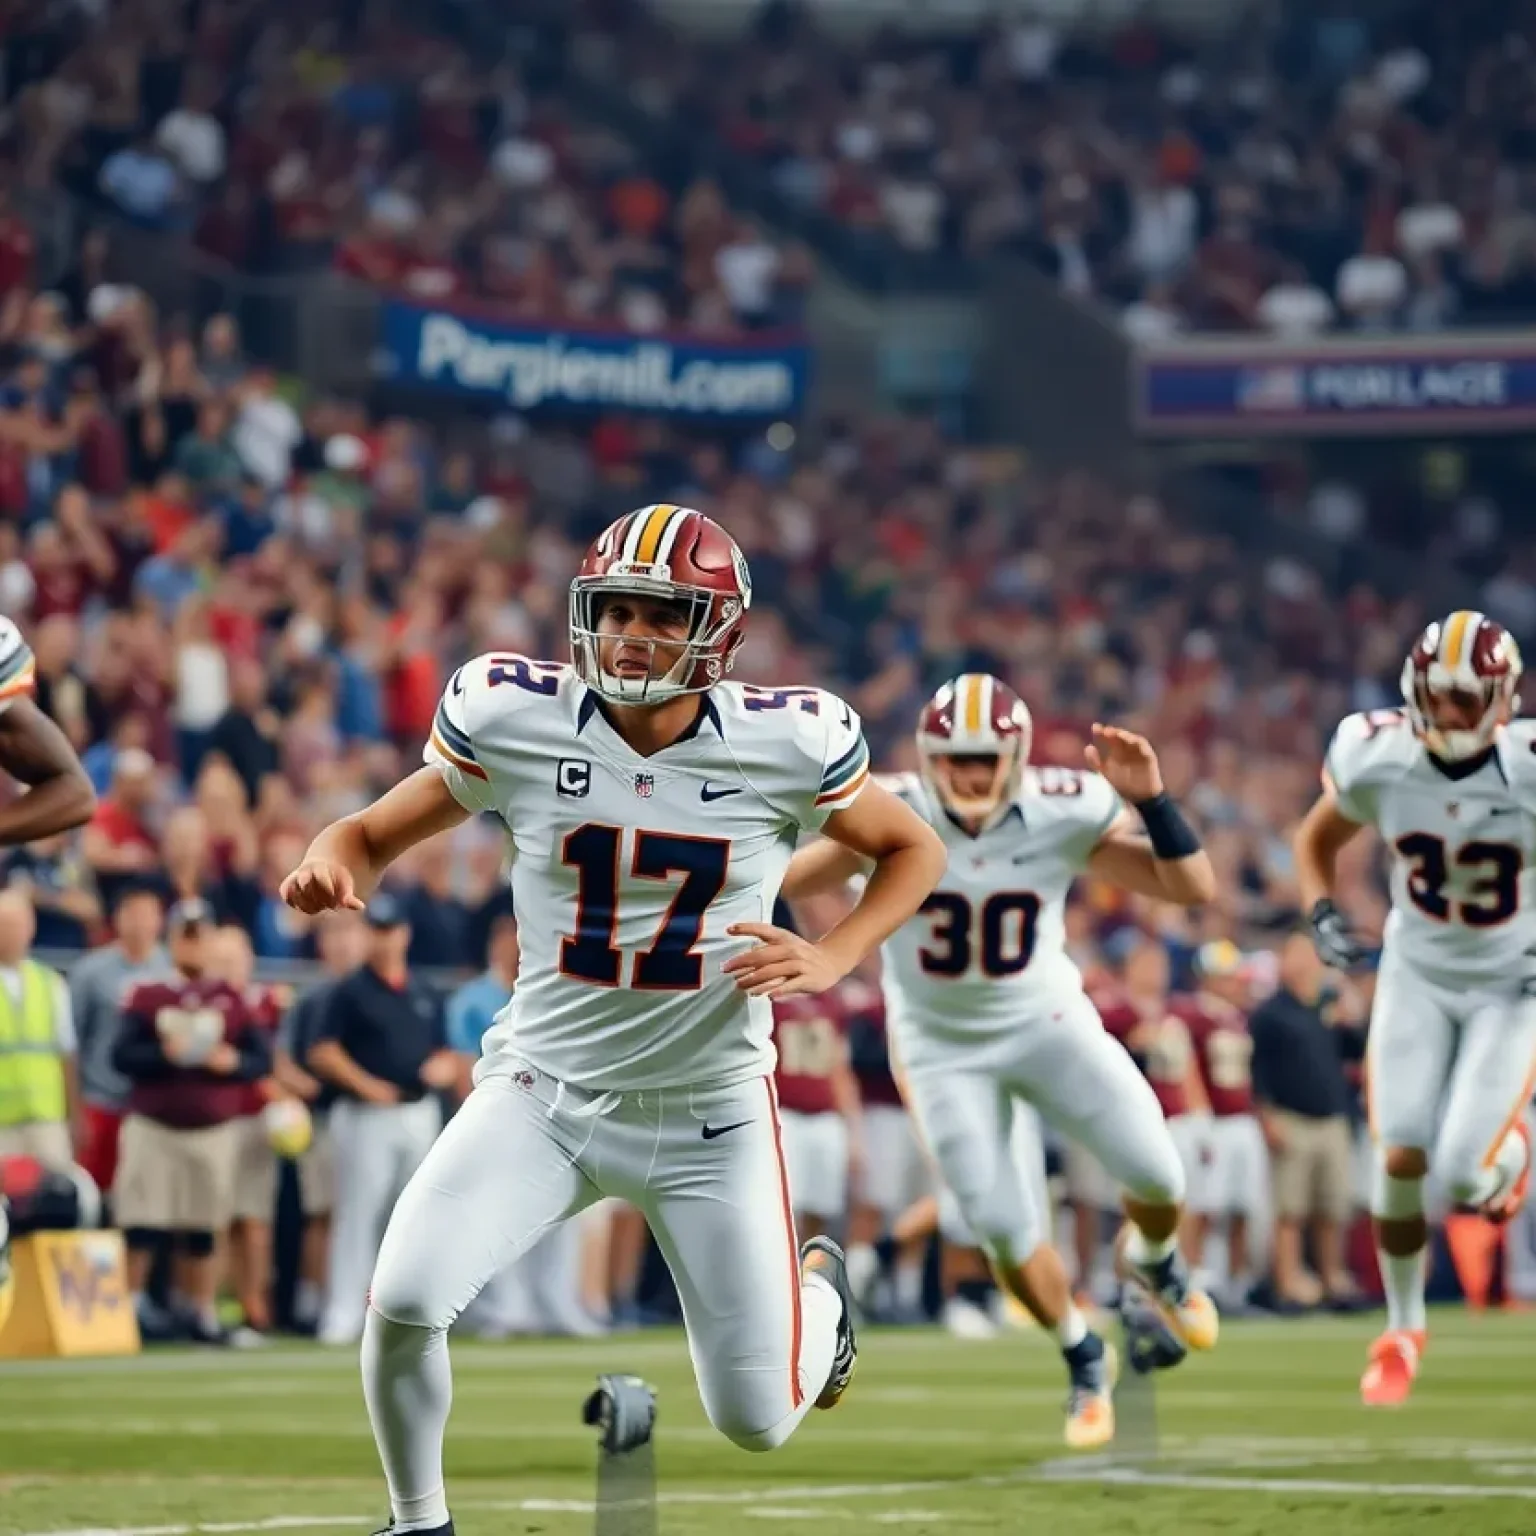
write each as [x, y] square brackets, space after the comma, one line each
[972, 691]
[1456, 628]
[649, 544]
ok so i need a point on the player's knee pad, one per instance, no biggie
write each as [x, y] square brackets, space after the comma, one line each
[412, 1299]
[1160, 1180]
[756, 1440]
[196, 1245]
[1394, 1199]
[1005, 1230]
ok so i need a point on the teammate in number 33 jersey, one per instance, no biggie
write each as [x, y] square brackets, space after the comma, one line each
[1449, 782]
[986, 1009]
[653, 808]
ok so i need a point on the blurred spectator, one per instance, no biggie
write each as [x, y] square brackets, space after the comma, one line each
[1303, 1095]
[98, 983]
[39, 1073]
[342, 944]
[381, 1045]
[188, 1048]
[118, 844]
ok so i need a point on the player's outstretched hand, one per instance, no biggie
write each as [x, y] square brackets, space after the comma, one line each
[781, 965]
[1126, 760]
[320, 885]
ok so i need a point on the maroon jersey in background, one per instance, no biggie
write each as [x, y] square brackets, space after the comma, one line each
[1224, 1049]
[188, 1098]
[808, 1034]
[1158, 1040]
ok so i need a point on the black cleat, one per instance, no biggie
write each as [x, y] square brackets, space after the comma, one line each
[446, 1529]
[1150, 1339]
[625, 1408]
[821, 1256]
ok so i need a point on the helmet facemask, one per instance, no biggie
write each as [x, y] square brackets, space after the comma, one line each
[699, 663]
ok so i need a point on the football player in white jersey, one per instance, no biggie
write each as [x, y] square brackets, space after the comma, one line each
[35, 752]
[653, 808]
[1449, 782]
[985, 1007]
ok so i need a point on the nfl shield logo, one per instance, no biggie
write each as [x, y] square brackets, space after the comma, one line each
[645, 785]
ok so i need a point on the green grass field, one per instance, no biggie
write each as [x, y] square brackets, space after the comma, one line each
[937, 1436]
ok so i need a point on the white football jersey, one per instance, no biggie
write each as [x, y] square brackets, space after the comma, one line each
[17, 667]
[1462, 850]
[627, 870]
[990, 942]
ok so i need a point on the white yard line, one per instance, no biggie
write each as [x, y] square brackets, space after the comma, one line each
[791, 1502]
[1140, 1477]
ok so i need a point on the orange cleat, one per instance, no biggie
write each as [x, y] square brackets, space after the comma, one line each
[1508, 1203]
[1393, 1364]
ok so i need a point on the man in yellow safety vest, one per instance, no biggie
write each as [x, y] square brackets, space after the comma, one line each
[39, 1088]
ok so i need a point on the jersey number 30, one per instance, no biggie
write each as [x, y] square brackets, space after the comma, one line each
[1004, 935]
[670, 964]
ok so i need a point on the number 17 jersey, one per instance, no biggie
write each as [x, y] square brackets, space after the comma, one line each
[1462, 850]
[627, 870]
[988, 946]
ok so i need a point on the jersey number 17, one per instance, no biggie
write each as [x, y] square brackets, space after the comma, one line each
[671, 963]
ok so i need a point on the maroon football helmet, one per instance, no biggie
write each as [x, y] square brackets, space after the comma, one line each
[974, 716]
[669, 554]
[1459, 683]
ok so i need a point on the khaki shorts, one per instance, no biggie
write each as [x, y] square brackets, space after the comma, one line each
[1312, 1172]
[317, 1173]
[255, 1172]
[175, 1181]
[45, 1140]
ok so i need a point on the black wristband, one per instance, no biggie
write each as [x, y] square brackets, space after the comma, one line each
[1171, 836]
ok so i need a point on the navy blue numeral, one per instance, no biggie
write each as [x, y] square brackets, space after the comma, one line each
[1006, 947]
[670, 964]
[542, 677]
[590, 953]
[780, 698]
[1496, 895]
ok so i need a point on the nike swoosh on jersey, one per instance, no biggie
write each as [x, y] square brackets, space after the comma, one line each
[709, 792]
[712, 1131]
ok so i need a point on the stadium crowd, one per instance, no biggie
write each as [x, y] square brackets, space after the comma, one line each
[282, 138]
[1312, 169]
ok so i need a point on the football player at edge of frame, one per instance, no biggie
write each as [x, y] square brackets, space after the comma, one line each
[1449, 782]
[58, 796]
[653, 808]
[36, 753]
[985, 1008]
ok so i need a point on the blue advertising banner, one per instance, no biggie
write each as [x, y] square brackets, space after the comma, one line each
[534, 368]
[1342, 386]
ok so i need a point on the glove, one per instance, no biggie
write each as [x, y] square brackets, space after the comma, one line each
[1336, 945]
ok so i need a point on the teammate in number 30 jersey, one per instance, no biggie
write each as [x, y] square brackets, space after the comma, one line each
[653, 807]
[985, 1008]
[1449, 782]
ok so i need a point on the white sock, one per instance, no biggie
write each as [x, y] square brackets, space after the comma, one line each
[1072, 1329]
[408, 1386]
[307, 1298]
[863, 1270]
[1402, 1277]
[909, 1286]
[1142, 1251]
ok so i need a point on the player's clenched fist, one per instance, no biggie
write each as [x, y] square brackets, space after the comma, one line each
[1127, 761]
[320, 885]
[781, 965]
